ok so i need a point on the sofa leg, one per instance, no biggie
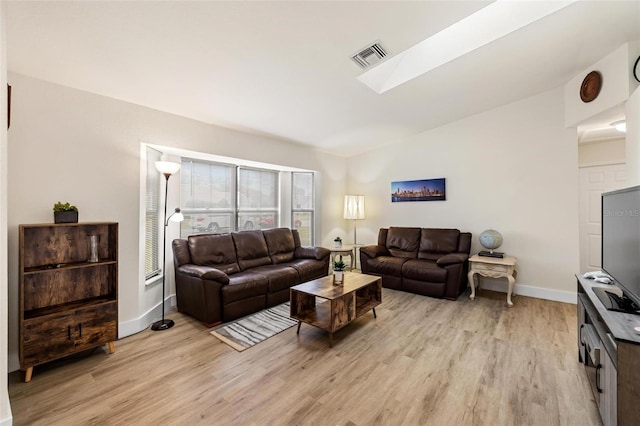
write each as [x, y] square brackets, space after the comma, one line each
[213, 324]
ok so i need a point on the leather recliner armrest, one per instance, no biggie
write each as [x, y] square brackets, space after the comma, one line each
[204, 272]
[317, 253]
[374, 251]
[452, 258]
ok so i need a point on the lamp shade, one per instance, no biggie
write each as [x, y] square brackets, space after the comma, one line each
[176, 216]
[167, 167]
[354, 206]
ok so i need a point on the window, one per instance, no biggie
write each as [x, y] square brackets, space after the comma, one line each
[219, 197]
[211, 204]
[208, 201]
[302, 206]
[152, 216]
[257, 198]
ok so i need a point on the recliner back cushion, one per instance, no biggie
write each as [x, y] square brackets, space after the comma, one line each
[438, 241]
[382, 236]
[280, 243]
[181, 253]
[403, 242]
[251, 249]
[214, 250]
[464, 245]
[296, 238]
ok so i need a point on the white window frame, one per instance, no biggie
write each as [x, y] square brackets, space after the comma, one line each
[235, 208]
[275, 210]
[311, 210]
[231, 211]
[152, 194]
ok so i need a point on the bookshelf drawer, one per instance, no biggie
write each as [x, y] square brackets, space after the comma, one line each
[53, 336]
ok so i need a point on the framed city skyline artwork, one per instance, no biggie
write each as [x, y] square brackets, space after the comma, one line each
[418, 190]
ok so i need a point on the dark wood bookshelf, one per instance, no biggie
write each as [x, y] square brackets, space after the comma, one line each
[67, 304]
[59, 266]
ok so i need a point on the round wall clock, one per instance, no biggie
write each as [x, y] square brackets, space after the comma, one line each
[636, 70]
[591, 86]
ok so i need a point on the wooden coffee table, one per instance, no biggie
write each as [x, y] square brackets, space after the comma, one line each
[358, 294]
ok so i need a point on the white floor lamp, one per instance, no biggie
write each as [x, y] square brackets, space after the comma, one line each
[167, 168]
[354, 209]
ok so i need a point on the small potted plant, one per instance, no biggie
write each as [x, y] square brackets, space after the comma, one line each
[338, 271]
[338, 242]
[65, 213]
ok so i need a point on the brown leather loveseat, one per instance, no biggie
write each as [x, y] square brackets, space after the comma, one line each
[221, 277]
[427, 261]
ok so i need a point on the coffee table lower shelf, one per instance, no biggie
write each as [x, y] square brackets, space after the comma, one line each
[321, 304]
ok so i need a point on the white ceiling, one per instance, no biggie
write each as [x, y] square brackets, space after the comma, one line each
[283, 69]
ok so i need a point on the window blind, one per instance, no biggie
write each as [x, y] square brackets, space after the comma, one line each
[152, 216]
[302, 206]
[258, 194]
[208, 197]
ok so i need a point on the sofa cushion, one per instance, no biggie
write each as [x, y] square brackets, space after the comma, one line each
[309, 269]
[374, 251]
[424, 270]
[204, 272]
[251, 249]
[452, 259]
[386, 265]
[181, 255]
[403, 242]
[382, 236]
[214, 250]
[464, 243]
[280, 276]
[317, 253]
[244, 285]
[280, 244]
[438, 241]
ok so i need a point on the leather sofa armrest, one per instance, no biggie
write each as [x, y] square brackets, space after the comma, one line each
[374, 251]
[452, 258]
[204, 272]
[317, 253]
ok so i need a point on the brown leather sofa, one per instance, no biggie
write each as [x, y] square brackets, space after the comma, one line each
[221, 277]
[427, 261]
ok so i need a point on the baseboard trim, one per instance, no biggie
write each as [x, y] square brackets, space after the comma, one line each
[136, 325]
[7, 420]
[531, 291]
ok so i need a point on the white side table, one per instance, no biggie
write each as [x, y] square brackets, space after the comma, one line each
[345, 250]
[492, 267]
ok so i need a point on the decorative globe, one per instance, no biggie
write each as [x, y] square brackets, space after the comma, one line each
[491, 239]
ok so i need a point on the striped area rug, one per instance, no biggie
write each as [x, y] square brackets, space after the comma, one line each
[253, 329]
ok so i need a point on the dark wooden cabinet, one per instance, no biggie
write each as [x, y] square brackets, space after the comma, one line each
[67, 302]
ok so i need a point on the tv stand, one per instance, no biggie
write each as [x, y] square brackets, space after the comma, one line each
[615, 300]
[609, 348]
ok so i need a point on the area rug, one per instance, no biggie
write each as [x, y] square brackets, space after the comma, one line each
[253, 329]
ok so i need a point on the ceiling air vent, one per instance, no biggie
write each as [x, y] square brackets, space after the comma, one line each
[370, 55]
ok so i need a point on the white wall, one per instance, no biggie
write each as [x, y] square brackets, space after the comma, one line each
[514, 168]
[617, 84]
[632, 111]
[5, 407]
[610, 151]
[75, 146]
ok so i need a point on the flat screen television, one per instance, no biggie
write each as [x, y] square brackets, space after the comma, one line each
[621, 244]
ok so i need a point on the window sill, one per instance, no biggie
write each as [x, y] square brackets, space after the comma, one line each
[153, 280]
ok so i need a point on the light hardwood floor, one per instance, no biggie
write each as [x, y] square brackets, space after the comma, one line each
[423, 361]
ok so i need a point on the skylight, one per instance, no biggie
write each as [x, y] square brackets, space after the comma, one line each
[490, 23]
